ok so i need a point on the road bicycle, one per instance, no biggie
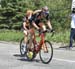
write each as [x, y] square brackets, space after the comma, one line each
[43, 47]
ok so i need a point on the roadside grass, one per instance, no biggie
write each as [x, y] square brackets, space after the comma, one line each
[60, 37]
[12, 35]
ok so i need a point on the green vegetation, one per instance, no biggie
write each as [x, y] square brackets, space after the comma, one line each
[13, 11]
[7, 35]
[60, 37]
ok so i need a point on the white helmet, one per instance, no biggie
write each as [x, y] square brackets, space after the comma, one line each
[45, 8]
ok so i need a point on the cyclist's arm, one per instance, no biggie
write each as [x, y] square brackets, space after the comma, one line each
[49, 24]
[24, 25]
[35, 25]
[32, 21]
[36, 11]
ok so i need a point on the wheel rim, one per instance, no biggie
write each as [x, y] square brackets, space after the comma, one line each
[23, 49]
[46, 57]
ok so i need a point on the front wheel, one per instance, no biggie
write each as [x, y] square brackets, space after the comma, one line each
[46, 57]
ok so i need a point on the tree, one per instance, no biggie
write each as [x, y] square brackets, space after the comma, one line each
[13, 11]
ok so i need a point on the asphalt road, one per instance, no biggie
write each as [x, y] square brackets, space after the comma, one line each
[10, 58]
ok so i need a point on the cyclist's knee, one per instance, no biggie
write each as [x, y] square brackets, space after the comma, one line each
[25, 33]
[44, 27]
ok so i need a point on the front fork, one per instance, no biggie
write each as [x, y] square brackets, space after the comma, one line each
[41, 43]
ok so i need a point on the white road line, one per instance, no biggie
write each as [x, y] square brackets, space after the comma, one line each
[64, 60]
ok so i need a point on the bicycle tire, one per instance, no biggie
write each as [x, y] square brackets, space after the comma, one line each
[23, 53]
[50, 55]
[28, 50]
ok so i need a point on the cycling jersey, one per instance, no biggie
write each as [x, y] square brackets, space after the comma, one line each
[27, 21]
[38, 17]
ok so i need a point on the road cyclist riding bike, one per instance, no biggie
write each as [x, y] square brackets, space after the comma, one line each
[38, 17]
[36, 21]
[27, 29]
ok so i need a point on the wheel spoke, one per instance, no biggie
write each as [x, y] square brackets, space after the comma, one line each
[46, 56]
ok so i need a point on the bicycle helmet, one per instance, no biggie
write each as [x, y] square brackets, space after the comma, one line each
[29, 12]
[45, 9]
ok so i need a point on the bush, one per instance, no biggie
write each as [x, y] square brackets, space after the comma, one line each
[2, 26]
[17, 26]
[12, 11]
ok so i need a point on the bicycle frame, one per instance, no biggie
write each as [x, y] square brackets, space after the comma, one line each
[40, 47]
[42, 36]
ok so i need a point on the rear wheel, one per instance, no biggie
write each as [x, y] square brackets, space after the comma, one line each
[30, 51]
[46, 57]
[22, 47]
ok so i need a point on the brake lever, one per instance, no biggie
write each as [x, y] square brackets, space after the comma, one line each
[51, 31]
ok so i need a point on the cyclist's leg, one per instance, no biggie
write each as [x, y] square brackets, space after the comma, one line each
[31, 38]
[33, 35]
[25, 36]
[42, 26]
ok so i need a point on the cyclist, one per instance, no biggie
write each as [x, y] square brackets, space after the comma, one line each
[26, 25]
[38, 16]
[37, 20]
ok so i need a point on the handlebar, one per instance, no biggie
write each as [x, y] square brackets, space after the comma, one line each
[51, 31]
[48, 31]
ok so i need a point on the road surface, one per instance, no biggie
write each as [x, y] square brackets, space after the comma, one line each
[10, 58]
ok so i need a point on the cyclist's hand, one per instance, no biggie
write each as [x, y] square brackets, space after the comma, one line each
[53, 32]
